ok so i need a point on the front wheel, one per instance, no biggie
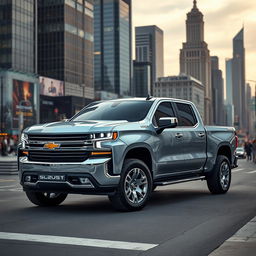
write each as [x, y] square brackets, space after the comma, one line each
[134, 188]
[46, 199]
[219, 180]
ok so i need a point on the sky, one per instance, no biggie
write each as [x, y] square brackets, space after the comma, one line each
[223, 20]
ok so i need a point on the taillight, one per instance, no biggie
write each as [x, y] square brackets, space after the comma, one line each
[236, 138]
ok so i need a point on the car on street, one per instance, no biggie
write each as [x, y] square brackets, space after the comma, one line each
[125, 148]
[240, 153]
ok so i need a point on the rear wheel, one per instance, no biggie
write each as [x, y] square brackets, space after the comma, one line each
[219, 180]
[135, 186]
[46, 199]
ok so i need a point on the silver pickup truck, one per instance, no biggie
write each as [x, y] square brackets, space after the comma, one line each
[124, 149]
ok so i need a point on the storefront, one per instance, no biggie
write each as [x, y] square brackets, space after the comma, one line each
[19, 101]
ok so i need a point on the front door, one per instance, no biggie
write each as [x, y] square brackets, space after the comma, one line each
[169, 155]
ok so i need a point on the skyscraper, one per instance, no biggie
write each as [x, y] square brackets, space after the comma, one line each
[195, 57]
[238, 80]
[141, 78]
[113, 46]
[150, 48]
[19, 101]
[18, 35]
[65, 44]
[217, 92]
[248, 107]
[229, 93]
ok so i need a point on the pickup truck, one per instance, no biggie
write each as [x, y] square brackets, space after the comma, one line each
[124, 148]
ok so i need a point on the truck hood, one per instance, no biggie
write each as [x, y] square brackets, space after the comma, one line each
[75, 127]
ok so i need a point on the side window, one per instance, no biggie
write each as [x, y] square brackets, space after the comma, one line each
[186, 115]
[163, 110]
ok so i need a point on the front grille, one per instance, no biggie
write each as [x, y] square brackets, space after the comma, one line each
[58, 156]
[66, 141]
[58, 137]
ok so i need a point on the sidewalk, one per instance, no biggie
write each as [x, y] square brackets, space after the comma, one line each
[8, 158]
[242, 243]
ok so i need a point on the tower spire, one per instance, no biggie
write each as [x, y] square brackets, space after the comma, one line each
[194, 2]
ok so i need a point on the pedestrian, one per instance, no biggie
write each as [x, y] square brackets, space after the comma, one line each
[11, 146]
[1, 145]
[248, 150]
[254, 151]
[5, 146]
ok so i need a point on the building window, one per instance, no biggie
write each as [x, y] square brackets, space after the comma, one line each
[70, 3]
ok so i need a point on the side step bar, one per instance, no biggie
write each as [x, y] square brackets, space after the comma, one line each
[165, 183]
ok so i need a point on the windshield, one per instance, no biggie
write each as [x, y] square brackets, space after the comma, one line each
[131, 111]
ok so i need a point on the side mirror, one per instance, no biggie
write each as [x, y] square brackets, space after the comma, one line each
[167, 122]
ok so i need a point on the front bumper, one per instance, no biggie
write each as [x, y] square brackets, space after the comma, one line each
[95, 170]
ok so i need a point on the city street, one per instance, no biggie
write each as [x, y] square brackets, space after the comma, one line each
[182, 219]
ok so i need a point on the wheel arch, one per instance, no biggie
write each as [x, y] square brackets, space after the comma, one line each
[141, 152]
[225, 150]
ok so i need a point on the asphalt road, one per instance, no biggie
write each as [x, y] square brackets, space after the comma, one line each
[182, 219]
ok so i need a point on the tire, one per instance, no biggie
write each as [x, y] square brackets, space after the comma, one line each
[134, 188]
[220, 178]
[45, 199]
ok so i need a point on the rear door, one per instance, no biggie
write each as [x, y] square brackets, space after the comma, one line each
[193, 137]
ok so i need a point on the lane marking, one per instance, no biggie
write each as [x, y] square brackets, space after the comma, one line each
[238, 170]
[252, 172]
[77, 241]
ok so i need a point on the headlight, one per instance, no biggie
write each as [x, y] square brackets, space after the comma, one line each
[98, 138]
[104, 136]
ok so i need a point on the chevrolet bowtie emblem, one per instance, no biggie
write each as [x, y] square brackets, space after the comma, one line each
[51, 145]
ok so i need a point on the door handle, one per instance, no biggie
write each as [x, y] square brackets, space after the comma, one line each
[201, 134]
[178, 135]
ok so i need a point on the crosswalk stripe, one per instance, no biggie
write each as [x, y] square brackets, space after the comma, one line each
[9, 186]
[77, 241]
[2, 180]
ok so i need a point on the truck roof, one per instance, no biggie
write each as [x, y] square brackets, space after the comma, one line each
[151, 99]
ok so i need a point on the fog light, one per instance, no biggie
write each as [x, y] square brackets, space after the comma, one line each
[27, 178]
[86, 182]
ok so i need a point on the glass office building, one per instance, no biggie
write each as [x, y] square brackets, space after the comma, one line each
[18, 35]
[150, 48]
[65, 44]
[142, 76]
[112, 46]
[19, 100]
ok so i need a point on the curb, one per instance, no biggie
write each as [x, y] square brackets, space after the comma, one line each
[243, 242]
